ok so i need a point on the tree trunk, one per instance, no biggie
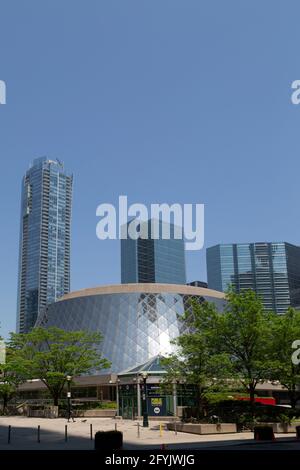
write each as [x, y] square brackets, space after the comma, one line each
[55, 400]
[252, 393]
[200, 402]
[293, 397]
[5, 401]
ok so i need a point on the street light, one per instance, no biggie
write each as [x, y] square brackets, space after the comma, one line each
[69, 378]
[144, 401]
[174, 392]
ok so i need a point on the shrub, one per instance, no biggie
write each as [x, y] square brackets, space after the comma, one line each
[243, 413]
[89, 405]
[106, 405]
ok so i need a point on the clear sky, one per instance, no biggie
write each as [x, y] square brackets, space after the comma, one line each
[162, 100]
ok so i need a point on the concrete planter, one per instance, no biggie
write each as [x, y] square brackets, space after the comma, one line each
[202, 428]
[282, 427]
[46, 412]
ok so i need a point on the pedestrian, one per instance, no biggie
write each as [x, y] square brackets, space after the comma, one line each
[70, 413]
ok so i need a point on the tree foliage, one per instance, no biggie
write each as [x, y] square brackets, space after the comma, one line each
[52, 354]
[10, 379]
[223, 350]
[197, 360]
[242, 332]
[284, 330]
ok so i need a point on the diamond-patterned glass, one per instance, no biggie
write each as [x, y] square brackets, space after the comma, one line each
[135, 326]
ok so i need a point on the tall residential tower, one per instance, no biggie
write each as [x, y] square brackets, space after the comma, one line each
[44, 256]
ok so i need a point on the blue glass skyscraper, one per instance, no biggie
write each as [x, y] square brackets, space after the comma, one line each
[272, 270]
[157, 260]
[44, 256]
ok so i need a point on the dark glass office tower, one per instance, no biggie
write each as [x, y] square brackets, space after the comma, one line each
[44, 257]
[270, 269]
[154, 260]
[198, 284]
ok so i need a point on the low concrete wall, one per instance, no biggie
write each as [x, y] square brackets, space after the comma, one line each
[157, 418]
[281, 427]
[96, 413]
[46, 412]
[202, 428]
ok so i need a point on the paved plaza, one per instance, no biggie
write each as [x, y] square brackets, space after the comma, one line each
[24, 435]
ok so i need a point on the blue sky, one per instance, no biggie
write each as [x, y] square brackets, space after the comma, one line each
[164, 101]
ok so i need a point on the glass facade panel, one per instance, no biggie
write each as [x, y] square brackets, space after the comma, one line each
[135, 326]
[272, 270]
[153, 260]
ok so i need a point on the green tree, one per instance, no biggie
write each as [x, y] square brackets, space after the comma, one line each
[285, 329]
[197, 360]
[242, 334]
[9, 383]
[7, 391]
[10, 379]
[52, 354]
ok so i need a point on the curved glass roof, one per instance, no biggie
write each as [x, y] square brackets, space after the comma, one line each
[153, 366]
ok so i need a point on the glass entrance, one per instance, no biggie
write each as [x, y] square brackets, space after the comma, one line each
[127, 409]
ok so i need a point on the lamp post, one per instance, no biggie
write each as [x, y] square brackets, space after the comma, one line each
[175, 382]
[144, 400]
[138, 394]
[69, 378]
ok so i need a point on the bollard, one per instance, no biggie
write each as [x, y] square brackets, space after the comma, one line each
[38, 434]
[66, 432]
[116, 427]
[160, 430]
[175, 427]
[91, 431]
[9, 433]
[138, 429]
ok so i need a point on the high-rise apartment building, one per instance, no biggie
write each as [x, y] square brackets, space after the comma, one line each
[44, 256]
[157, 260]
[272, 270]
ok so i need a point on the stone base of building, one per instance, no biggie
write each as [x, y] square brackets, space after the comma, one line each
[45, 412]
[95, 413]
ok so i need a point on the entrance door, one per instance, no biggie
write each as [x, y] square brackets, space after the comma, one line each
[127, 407]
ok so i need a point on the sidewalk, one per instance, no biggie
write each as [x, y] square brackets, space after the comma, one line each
[24, 435]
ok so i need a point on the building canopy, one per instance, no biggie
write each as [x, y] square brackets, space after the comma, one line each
[151, 367]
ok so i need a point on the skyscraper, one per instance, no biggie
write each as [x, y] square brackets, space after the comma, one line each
[153, 260]
[44, 255]
[272, 270]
